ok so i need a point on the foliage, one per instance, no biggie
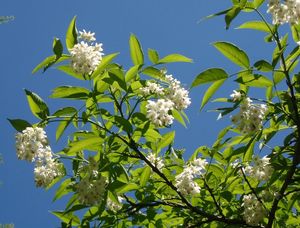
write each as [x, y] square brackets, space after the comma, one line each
[242, 180]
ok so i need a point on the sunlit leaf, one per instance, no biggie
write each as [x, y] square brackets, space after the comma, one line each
[71, 35]
[136, 51]
[175, 58]
[70, 92]
[209, 75]
[37, 106]
[233, 53]
[211, 91]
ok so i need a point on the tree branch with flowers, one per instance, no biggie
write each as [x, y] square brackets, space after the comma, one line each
[120, 168]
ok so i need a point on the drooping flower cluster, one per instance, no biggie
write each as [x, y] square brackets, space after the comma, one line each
[253, 210]
[159, 112]
[91, 186]
[172, 97]
[287, 12]
[261, 169]
[156, 161]
[86, 55]
[113, 206]
[152, 88]
[185, 180]
[250, 117]
[32, 145]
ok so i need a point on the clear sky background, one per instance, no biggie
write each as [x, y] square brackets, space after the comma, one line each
[169, 26]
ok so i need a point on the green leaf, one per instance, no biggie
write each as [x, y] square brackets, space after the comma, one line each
[257, 3]
[37, 106]
[64, 123]
[166, 140]
[153, 56]
[153, 72]
[104, 63]
[69, 218]
[254, 80]
[257, 25]
[69, 70]
[175, 58]
[84, 144]
[70, 92]
[233, 53]
[209, 75]
[127, 188]
[231, 14]
[62, 190]
[19, 124]
[263, 66]
[136, 51]
[49, 61]
[177, 116]
[123, 124]
[71, 35]
[65, 111]
[145, 176]
[131, 73]
[211, 91]
[57, 47]
[249, 150]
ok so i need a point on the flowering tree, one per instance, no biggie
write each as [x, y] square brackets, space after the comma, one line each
[119, 167]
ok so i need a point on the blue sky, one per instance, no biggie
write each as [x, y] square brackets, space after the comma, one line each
[169, 26]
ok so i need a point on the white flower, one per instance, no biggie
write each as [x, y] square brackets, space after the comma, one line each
[30, 142]
[113, 206]
[45, 174]
[87, 36]
[152, 88]
[253, 210]
[90, 190]
[250, 117]
[85, 58]
[236, 96]
[185, 180]
[177, 94]
[155, 161]
[261, 170]
[286, 12]
[158, 112]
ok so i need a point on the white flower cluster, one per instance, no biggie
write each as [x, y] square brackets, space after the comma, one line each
[32, 145]
[261, 170]
[177, 94]
[253, 210]
[287, 12]
[156, 161]
[92, 186]
[113, 206]
[86, 55]
[185, 180]
[236, 96]
[30, 142]
[250, 117]
[173, 97]
[158, 112]
[152, 88]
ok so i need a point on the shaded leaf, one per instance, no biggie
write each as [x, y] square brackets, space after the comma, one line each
[153, 56]
[19, 124]
[70, 92]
